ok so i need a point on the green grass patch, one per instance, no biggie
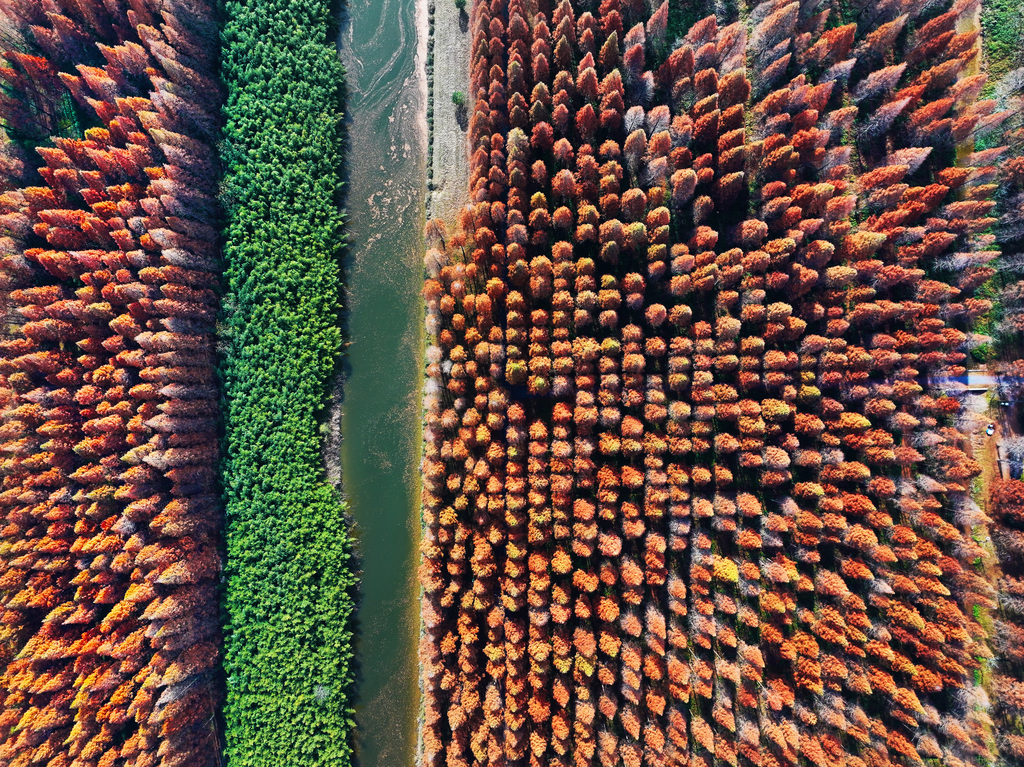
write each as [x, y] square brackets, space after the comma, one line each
[1002, 23]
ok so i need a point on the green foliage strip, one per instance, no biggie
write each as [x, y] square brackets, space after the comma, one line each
[289, 593]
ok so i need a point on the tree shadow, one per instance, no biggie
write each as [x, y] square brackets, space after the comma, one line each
[462, 116]
[463, 20]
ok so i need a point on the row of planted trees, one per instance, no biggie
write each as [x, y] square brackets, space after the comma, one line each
[1007, 510]
[108, 542]
[692, 490]
[288, 581]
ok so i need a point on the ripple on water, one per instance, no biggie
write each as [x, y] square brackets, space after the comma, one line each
[381, 419]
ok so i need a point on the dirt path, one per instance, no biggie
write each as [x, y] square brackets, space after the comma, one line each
[448, 173]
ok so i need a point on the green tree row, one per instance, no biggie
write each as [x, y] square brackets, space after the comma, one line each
[289, 576]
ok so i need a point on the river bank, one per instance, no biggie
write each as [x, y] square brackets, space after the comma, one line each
[447, 74]
[446, 29]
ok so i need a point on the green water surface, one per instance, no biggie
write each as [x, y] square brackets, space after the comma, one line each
[381, 432]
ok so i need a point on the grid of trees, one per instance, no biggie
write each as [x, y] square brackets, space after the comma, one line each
[690, 492]
[109, 625]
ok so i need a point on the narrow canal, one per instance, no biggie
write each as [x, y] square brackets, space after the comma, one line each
[381, 432]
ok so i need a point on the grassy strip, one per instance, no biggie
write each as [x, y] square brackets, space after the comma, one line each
[1002, 23]
[289, 597]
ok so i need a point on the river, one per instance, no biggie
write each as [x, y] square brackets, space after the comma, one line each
[381, 415]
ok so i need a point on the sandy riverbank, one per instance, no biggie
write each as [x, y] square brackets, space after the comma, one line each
[424, 48]
[443, 42]
[448, 172]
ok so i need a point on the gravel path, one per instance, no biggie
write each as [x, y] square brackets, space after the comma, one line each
[448, 174]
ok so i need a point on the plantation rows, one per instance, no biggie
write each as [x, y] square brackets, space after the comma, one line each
[108, 551]
[1007, 509]
[692, 493]
[289, 600]
[113, 523]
